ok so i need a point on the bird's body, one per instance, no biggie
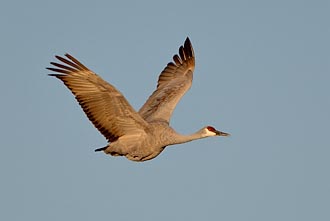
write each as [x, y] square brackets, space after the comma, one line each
[139, 135]
[142, 146]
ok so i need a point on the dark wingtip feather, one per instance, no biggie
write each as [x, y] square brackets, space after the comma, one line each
[58, 57]
[78, 64]
[188, 48]
[101, 149]
[182, 54]
[55, 75]
[187, 41]
[177, 59]
[58, 70]
[51, 69]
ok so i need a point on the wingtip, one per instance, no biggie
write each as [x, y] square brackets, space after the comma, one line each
[68, 55]
[50, 69]
[187, 41]
[100, 149]
[56, 75]
[189, 48]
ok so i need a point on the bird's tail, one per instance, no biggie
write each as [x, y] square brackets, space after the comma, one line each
[101, 149]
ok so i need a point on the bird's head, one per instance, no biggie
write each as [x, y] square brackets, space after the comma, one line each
[210, 131]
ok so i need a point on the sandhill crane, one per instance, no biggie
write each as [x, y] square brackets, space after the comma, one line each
[142, 135]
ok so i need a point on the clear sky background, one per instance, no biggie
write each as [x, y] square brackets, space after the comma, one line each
[262, 74]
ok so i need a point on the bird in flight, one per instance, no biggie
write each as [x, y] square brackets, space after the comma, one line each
[142, 135]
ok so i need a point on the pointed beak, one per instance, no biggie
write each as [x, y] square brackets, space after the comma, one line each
[220, 133]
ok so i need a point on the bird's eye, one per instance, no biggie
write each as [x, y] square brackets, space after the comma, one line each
[211, 128]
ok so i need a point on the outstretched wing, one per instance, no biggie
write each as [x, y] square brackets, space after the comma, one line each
[174, 81]
[103, 104]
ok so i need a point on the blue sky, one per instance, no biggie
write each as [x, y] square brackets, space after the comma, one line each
[262, 74]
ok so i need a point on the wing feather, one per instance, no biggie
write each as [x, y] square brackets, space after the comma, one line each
[103, 104]
[174, 81]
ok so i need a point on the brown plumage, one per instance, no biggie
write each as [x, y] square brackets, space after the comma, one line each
[139, 135]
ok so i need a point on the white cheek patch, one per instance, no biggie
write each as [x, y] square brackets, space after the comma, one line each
[209, 133]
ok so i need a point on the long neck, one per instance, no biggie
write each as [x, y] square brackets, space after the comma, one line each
[179, 138]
